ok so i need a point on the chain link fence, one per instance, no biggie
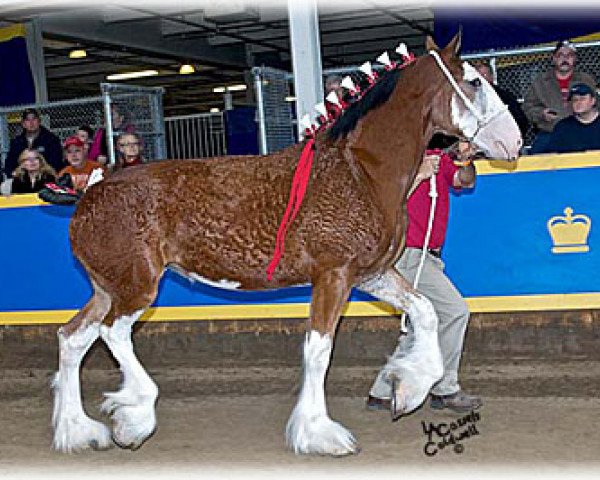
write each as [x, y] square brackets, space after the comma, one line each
[515, 71]
[272, 88]
[142, 107]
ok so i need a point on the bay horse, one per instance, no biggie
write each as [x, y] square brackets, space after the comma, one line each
[215, 221]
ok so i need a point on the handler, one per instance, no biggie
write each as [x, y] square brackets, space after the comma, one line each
[448, 303]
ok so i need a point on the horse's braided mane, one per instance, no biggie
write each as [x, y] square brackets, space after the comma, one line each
[376, 96]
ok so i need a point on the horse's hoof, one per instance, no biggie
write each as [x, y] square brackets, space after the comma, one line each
[100, 447]
[396, 411]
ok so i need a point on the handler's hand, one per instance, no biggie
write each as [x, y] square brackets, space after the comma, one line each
[429, 166]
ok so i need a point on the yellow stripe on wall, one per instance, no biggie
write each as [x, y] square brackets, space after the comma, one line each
[533, 163]
[572, 301]
[21, 200]
[8, 33]
[539, 163]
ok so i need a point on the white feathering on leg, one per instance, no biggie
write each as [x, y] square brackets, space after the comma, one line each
[73, 429]
[309, 428]
[132, 407]
[422, 366]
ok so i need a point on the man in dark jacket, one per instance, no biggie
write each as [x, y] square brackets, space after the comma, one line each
[37, 137]
[581, 131]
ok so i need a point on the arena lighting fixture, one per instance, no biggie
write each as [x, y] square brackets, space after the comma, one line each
[78, 53]
[231, 88]
[186, 69]
[237, 88]
[214, 110]
[290, 99]
[127, 75]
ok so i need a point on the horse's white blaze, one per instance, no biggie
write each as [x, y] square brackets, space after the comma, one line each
[422, 366]
[495, 132]
[309, 428]
[132, 407]
[73, 429]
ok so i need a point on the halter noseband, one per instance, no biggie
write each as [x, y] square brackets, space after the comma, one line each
[481, 120]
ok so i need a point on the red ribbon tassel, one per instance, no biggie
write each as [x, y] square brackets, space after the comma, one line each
[299, 183]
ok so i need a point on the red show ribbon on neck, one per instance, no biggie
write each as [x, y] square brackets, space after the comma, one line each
[299, 184]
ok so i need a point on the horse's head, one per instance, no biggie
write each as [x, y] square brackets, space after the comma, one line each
[470, 107]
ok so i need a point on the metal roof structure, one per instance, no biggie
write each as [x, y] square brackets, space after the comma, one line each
[223, 40]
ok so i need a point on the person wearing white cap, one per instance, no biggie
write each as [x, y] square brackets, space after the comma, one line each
[546, 101]
[581, 131]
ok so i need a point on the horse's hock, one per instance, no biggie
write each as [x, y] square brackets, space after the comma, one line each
[360, 341]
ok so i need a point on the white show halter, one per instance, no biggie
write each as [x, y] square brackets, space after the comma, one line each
[481, 120]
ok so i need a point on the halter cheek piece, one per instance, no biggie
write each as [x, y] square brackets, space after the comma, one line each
[482, 121]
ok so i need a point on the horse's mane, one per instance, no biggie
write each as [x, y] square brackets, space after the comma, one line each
[376, 96]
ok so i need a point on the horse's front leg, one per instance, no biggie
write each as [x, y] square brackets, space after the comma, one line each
[416, 364]
[309, 428]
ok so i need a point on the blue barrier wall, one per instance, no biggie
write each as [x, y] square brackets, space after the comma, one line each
[498, 252]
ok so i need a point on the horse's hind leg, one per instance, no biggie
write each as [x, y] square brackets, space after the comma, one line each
[132, 407]
[73, 429]
[416, 364]
[309, 428]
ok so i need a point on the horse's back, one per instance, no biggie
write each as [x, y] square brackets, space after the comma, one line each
[219, 218]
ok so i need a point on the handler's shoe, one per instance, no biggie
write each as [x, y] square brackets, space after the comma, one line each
[459, 402]
[375, 403]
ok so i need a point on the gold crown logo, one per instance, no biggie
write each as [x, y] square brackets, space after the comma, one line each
[569, 233]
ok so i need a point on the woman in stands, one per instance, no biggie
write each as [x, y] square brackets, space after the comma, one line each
[32, 173]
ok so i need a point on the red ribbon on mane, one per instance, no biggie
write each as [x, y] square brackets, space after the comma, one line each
[299, 183]
[302, 174]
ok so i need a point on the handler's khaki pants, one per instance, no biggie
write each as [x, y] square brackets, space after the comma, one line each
[452, 312]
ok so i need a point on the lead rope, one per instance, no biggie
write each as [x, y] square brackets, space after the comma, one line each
[433, 194]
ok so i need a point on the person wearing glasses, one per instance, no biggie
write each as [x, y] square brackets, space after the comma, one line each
[33, 172]
[129, 150]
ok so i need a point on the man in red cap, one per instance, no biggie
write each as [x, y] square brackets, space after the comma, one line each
[79, 167]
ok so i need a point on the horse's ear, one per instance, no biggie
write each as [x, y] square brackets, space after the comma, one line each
[455, 43]
[430, 44]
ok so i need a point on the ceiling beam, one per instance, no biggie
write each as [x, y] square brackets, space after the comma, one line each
[88, 26]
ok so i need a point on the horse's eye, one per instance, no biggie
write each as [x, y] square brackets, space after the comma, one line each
[476, 82]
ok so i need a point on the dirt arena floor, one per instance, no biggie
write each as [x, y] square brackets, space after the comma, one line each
[539, 416]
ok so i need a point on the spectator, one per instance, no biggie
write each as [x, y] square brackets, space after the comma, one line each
[85, 134]
[120, 124]
[508, 98]
[546, 101]
[37, 137]
[333, 83]
[129, 150]
[581, 131]
[32, 173]
[80, 167]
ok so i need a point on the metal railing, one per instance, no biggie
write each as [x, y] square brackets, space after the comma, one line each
[196, 136]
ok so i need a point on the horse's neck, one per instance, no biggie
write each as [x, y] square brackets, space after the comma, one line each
[388, 147]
